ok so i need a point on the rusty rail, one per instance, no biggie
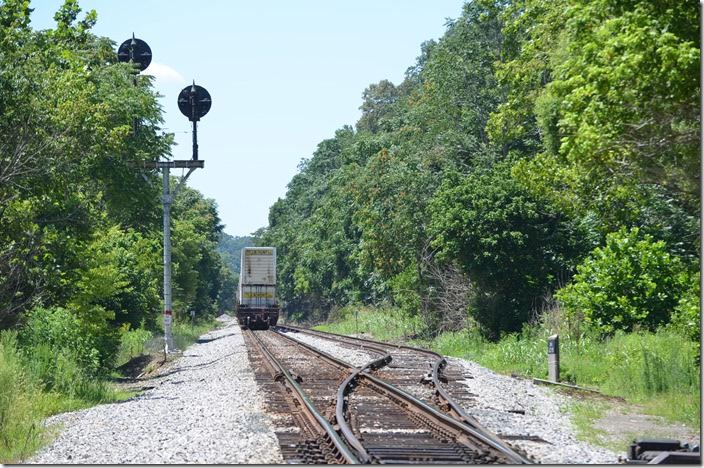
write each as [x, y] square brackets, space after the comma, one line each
[344, 452]
[466, 430]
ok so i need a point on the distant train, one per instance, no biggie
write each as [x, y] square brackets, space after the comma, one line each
[257, 306]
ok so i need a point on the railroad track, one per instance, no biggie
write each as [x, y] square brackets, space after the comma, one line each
[410, 367]
[378, 421]
[306, 435]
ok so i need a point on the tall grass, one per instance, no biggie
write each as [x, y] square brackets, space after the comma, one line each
[186, 333]
[133, 343]
[658, 370]
[37, 382]
[20, 421]
[387, 324]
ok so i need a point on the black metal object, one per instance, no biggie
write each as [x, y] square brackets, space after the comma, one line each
[139, 54]
[662, 452]
[194, 102]
[136, 51]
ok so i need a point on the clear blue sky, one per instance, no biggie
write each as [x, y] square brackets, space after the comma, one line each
[283, 75]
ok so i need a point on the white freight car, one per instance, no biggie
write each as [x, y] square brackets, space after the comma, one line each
[257, 306]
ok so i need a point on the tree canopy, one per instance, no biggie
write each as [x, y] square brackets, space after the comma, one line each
[80, 225]
[515, 145]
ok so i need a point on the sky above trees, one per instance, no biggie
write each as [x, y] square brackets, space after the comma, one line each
[283, 77]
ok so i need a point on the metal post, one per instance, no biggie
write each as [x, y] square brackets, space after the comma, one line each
[168, 311]
[554, 358]
[195, 141]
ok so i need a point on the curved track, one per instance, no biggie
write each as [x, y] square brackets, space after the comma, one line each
[411, 366]
[316, 441]
[380, 421]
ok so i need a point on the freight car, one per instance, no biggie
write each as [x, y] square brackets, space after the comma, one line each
[257, 307]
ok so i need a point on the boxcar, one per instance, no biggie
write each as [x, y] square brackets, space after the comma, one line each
[257, 306]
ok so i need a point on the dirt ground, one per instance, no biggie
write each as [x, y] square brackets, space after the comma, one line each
[624, 422]
[620, 423]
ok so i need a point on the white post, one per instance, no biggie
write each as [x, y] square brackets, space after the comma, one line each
[168, 312]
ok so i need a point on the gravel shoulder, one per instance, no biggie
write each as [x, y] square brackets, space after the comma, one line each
[202, 409]
[511, 406]
[355, 357]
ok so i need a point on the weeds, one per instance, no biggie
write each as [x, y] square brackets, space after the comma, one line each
[37, 382]
[185, 333]
[19, 418]
[385, 324]
[133, 343]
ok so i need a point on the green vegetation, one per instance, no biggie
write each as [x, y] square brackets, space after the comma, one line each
[185, 333]
[584, 414]
[631, 282]
[133, 343]
[36, 383]
[388, 324]
[538, 145]
[540, 149]
[80, 226]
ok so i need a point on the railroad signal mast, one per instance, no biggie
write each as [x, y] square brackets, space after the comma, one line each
[194, 102]
[137, 53]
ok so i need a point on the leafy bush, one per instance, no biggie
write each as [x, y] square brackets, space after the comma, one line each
[686, 317]
[631, 282]
[513, 246]
[57, 330]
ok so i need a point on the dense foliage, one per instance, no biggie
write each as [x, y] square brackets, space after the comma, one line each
[630, 282]
[80, 225]
[512, 150]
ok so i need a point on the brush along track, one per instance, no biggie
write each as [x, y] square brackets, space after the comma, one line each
[385, 424]
[423, 374]
[306, 436]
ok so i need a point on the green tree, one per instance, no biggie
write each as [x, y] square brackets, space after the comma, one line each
[631, 282]
[515, 248]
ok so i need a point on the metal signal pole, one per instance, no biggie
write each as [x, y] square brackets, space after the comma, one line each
[168, 307]
[193, 102]
[196, 104]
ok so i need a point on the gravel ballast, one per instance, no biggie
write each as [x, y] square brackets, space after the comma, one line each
[357, 358]
[545, 417]
[203, 409]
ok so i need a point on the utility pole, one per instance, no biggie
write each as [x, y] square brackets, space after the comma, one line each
[194, 102]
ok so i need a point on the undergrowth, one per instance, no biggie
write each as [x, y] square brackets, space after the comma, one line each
[36, 383]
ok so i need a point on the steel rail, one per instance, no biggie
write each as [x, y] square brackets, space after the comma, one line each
[449, 422]
[344, 388]
[459, 413]
[299, 393]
